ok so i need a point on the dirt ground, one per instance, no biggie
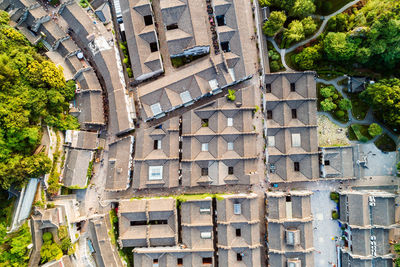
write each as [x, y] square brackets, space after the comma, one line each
[330, 134]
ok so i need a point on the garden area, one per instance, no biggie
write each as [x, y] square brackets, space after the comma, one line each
[349, 43]
[331, 100]
[290, 21]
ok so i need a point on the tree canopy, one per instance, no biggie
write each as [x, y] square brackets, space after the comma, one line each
[33, 92]
[274, 23]
[384, 96]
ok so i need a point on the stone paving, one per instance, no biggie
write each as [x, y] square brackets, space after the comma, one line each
[325, 229]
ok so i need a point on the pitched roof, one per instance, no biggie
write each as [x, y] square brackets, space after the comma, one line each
[147, 222]
[165, 135]
[292, 122]
[119, 164]
[105, 253]
[76, 166]
[81, 139]
[145, 63]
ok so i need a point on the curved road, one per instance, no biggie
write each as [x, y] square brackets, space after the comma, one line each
[325, 19]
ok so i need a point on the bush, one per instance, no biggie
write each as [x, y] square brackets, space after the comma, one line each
[334, 196]
[231, 95]
[47, 236]
[65, 245]
[398, 166]
[62, 232]
[374, 129]
[345, 104]
[335, 215]
[274, 66]
[340, 113]
[130, 73]
[328, 105]
[327, 91]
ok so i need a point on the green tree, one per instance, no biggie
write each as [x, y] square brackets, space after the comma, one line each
[302, 8]
[309, 25]
[16, 252]
[374, 129]
[264, 3]
[327, 91]
[338, 23]
[328, 105]
[33, 92]
[294, 33]
[306, 59]
[274, 23]
[338, 48]
[62, 232]
[345, 104]
[4, 17]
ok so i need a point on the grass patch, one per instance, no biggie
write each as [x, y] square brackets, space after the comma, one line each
[385, 143]
[327, 7]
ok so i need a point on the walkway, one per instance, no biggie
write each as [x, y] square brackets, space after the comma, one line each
[325, 20]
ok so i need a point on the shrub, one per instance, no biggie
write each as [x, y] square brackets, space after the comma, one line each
[335, 215]
[62, 232]
[47, 236]
[274, 66]
[340, 113]
[328, 105]
[374, 129]
[334, 196]
[345, 104]
[363, 139]
[231, 95]
[130, 73]
[327, 91]
[65, 244]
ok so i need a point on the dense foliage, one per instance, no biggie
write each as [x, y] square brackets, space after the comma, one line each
[49, 250]
[14, 247]
[384, 96]
[363, 38]
[32, 91]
